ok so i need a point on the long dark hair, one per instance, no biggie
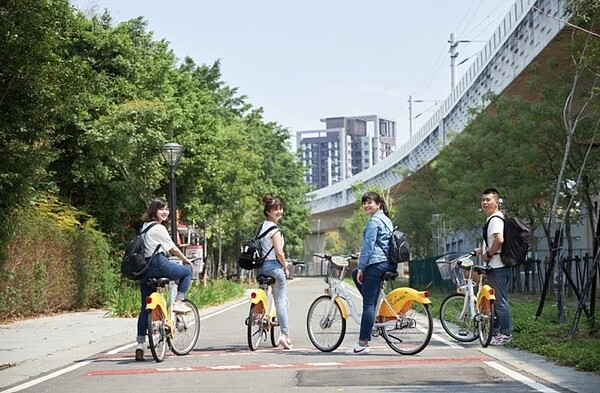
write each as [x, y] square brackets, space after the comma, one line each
[375, 197]
[155, 205]
[271, 203]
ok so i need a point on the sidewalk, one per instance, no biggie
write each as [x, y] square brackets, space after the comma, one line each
[31, 347]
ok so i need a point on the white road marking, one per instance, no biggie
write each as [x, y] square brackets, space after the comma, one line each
[47, 377]
[521, 378]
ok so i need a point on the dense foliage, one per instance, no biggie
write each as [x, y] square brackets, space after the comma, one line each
[85, 106]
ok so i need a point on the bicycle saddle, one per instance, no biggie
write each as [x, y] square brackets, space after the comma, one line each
[263, 279]
[389, 276]
[158, 282]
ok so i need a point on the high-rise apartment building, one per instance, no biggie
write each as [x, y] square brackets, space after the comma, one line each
[347, 146]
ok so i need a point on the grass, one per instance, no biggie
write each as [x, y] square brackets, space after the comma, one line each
[544, 335]
[125, 300]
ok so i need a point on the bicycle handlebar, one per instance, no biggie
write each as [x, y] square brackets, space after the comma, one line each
[329, 256]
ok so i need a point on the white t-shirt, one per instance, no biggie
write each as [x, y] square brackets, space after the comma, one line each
[267, 241]
[158, 234]
[494, 226]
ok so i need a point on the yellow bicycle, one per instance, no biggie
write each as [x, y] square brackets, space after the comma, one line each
[262, 318]
[180, 331]
[403, 316]
[466, 315]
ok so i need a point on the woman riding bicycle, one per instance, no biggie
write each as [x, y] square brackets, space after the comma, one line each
[275, 264]
[157, 238]
[372, 264]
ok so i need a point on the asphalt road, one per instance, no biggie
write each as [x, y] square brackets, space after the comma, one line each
[88, 353]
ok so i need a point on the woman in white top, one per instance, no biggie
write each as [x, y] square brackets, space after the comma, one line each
[160, 266]
[275, 264]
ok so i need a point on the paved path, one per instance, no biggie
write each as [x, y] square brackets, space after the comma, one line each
[35, 347]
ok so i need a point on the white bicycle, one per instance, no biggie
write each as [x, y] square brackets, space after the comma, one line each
[466, 315]
[403, 316]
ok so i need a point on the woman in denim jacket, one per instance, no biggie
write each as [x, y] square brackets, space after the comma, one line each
[372, 264]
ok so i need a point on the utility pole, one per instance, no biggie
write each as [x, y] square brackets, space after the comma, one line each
[410, 119]
[453, 56]
[410, 116]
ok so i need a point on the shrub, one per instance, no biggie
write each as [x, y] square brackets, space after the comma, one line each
[54, 263]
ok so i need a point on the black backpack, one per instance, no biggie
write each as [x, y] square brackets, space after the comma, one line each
[516, 241]
[251, 256]
[133, 264]
[399, 249]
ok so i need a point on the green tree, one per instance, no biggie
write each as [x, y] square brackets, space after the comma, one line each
[37, 84]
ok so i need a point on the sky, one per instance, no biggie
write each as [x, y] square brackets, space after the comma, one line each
[303, 61]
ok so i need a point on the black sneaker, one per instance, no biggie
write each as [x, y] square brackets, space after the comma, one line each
[139, 355]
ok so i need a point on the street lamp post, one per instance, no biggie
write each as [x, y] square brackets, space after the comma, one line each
[172, 154]
[319, 241]
[318, 235]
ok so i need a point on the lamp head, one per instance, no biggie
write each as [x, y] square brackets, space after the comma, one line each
[172, 154]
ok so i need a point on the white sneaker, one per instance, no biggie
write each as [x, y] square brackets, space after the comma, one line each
[500, 339]
[181, 308]
[285, 342]
[357, 349]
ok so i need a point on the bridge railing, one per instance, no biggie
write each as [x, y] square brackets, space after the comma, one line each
[530, 30]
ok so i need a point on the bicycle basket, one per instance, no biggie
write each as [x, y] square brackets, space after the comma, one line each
[448, 267]
[445, 268]
[334, 271]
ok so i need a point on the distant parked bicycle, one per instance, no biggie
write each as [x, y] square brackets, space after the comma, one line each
[464, 315]
[403, 316]
[180, 331]
[262, 318]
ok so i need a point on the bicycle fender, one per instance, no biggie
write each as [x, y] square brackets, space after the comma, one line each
[155, 300]
[342, 305]
[157, 304]
[401, 301]
[258, 296]
[487, 292]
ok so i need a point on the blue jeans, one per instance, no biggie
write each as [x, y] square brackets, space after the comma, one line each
[160, 266]
[272, 267]
[498, 279]
[370, 293]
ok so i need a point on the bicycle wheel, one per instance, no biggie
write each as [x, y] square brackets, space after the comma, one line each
[325, 325]
[187, 330]
[157, 334]
[255, 322]
[459, 324]
[275, 332]
[486, 317]
[411, 333]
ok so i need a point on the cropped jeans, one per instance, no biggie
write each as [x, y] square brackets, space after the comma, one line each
[272, 267]
[160, 266]
[370, 293]
[498, 279]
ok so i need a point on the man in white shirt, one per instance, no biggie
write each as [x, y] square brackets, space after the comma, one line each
[501, 274]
